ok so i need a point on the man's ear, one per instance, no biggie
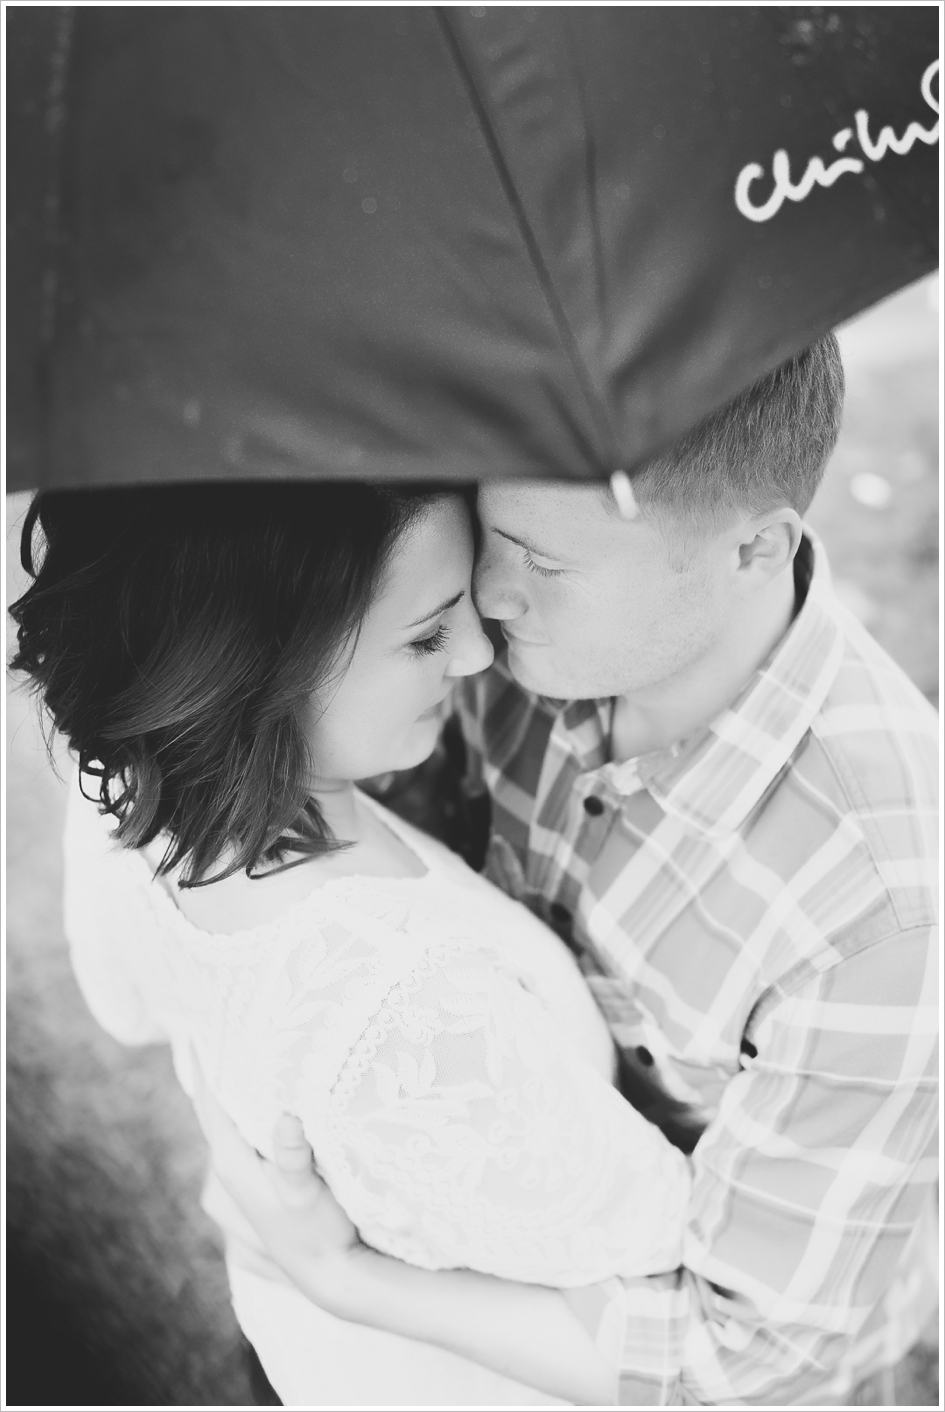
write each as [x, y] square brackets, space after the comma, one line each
[769, 543]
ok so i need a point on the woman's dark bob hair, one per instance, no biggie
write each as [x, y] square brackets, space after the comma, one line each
[177, 636]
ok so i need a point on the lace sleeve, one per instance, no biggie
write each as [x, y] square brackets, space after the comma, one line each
[465, 1131]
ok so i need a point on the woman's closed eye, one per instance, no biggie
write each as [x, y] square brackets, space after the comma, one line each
[435, 642]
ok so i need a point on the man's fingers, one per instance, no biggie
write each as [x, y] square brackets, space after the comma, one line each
[286, 1190]
[295, 1177]
[290, 1147]
[291, 1178]
[298, 1186]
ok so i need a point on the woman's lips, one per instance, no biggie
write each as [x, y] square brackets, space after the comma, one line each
[434, 710]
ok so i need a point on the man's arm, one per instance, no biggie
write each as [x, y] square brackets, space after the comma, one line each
[808, 1187]
[525, 1332]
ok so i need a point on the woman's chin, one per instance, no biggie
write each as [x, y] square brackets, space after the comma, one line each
[418, 745]
[421, 740]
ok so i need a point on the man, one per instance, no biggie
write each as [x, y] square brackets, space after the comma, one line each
[719, 790]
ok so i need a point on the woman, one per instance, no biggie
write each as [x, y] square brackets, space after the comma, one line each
[225, 663]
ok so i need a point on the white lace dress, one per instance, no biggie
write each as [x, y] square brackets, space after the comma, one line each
[451, 1071]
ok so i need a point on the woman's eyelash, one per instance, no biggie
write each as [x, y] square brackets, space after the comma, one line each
[537, 568]
[426, 646]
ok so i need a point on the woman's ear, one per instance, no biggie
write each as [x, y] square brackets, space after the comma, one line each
[769, 543]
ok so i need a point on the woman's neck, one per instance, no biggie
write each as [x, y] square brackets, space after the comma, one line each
[238, 902]
[338, 805]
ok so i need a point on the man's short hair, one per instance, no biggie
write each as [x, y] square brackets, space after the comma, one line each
[767, 447]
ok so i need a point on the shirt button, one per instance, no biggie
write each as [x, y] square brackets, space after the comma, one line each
[593, 805]
[560, 914]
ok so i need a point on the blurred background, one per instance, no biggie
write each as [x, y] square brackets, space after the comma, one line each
[111, 1263]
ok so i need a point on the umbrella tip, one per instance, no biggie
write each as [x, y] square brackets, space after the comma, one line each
[622, 491]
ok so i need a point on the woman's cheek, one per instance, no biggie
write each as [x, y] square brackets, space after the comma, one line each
[405, 692]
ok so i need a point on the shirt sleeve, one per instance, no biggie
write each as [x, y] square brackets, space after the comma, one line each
[807, 1190]
[467, 1132]
[96, 923]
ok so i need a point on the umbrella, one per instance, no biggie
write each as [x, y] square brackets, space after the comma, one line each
[410, 242]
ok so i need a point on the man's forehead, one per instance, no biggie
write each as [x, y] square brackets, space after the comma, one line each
[552, 500]
[564, 514]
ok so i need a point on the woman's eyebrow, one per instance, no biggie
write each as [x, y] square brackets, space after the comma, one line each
[449, 603]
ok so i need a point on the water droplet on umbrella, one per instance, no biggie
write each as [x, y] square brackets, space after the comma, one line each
[350, 174]
[871, 489]
[622, 191]
[764, 281]
[192, 412]
[369, 205]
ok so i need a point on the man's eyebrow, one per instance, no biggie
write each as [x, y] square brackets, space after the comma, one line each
[449, 603]
[524, 544]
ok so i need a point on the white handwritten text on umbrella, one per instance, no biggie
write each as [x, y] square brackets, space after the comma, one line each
[817, 174]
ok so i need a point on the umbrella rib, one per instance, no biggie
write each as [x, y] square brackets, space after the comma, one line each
[569, 342]
[590, 173]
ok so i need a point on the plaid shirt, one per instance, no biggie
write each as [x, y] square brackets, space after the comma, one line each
[754, 911]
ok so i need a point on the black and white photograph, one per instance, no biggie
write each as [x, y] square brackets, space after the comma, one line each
[472, 758]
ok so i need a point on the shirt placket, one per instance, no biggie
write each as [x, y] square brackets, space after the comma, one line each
[577, 824]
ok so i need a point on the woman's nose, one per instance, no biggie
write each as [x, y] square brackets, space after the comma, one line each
[473, 651]
[495, 596]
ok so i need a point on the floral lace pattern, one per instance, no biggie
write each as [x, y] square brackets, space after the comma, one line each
[438, 1043]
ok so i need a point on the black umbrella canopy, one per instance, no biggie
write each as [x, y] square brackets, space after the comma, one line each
[312, 241]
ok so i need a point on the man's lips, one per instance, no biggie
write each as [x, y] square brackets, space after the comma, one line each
[519, 640]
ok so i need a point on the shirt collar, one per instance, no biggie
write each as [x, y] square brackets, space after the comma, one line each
[712, 781]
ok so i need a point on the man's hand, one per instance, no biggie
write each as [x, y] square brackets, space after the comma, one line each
[525, 1332]
[294, 1214]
